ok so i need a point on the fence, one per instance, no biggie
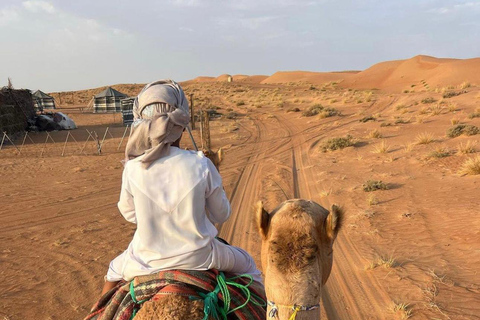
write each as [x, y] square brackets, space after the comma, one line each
[93, 141]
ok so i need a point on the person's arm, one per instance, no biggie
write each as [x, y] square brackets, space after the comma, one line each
[217, 203]
[125, 204]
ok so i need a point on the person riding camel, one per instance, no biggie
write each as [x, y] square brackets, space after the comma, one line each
[174, 196]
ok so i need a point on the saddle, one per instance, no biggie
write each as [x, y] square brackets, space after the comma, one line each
[225, 296]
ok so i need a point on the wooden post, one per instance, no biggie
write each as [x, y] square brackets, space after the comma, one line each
[65, 144]
[103, 140]
[44, 146]
[123, 137]
[3, 139]
[192, 113]
[60, 98]
[201, 127]
[23, 142]
[206, 129]
[99, 146]
[13, 144]
[88, 138]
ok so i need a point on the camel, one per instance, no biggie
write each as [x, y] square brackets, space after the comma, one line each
[215, 157]
[297, 255]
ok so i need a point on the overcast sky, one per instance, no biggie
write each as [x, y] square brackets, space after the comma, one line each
[68, 45]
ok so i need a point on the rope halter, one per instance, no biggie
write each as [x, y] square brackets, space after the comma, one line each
[296, 307]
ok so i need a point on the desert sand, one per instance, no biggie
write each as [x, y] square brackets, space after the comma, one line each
[408, 250]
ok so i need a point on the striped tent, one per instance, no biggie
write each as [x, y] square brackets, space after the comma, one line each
[43, 101]
[108, 101]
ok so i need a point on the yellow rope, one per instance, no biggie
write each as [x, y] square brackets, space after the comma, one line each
[294, 314]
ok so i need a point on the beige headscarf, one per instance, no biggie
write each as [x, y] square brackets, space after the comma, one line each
[154, 136]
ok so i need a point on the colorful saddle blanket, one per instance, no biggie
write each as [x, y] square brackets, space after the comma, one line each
[244, 300]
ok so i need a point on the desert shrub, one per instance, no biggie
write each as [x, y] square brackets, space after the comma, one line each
[470, 130]
[240, 103]
[460, 129]
[293, 110]
[367, 118]
[452, 94]
[455, 131]
[440, 152]
[428, 100]
[337, 143]
[373, 185]
[313, 110]
[401, 121]
[329, 112]
[231, 115]
[474, 115]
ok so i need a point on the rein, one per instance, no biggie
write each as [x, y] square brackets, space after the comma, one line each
[296, 308]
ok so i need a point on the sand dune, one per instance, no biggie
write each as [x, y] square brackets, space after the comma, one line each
[419, 71]
[307, 76]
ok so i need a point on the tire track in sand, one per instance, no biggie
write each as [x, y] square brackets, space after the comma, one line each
[351, 293]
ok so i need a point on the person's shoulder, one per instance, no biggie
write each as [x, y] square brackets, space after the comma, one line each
[189, 153]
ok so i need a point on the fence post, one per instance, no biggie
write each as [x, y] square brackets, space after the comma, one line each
[206, 129]
[99, 146]
[201, 127]
[3, 139]
[65, 144]
[123, 137]
[192, 113]
[23, 142]
[6, 135]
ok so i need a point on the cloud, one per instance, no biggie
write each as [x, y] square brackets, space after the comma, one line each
[38, 6]
[186, 3]
[251, 23]
[8, 15]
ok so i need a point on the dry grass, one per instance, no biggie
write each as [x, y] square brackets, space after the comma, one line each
[372, 200]
[471, 166]
[403, 309]
[384, 261]
[375, 134]
[408, 147]
[468, 147]
[382, 147]
[424, 138]
[454, 121]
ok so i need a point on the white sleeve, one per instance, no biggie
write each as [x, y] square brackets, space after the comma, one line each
[217, 202]
[125, 204]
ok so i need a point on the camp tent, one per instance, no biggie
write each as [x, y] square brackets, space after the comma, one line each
[108, 101]
[43, 101]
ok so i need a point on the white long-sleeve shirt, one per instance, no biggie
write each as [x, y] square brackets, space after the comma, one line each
[169, 203]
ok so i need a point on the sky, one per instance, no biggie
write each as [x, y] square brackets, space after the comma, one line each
[61, 45]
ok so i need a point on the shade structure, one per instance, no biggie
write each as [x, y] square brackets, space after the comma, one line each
[42, 101]
[109, 100]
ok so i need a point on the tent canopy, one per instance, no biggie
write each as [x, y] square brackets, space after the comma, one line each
[110, 92]
[42, 95]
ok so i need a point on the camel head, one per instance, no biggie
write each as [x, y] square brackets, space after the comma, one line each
[297, 254]
[215, 157]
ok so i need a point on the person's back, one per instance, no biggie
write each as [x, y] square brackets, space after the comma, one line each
[167, 201]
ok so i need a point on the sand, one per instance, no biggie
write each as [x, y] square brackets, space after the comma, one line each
[414, 244]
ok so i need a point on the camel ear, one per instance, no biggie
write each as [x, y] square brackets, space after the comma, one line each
[220, 154]
[334, 221]
[263, 219]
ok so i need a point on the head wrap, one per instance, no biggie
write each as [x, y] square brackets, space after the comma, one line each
[153, 136]
[161, 91]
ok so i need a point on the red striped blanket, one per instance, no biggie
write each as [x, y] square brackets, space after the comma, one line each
[118, 303]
